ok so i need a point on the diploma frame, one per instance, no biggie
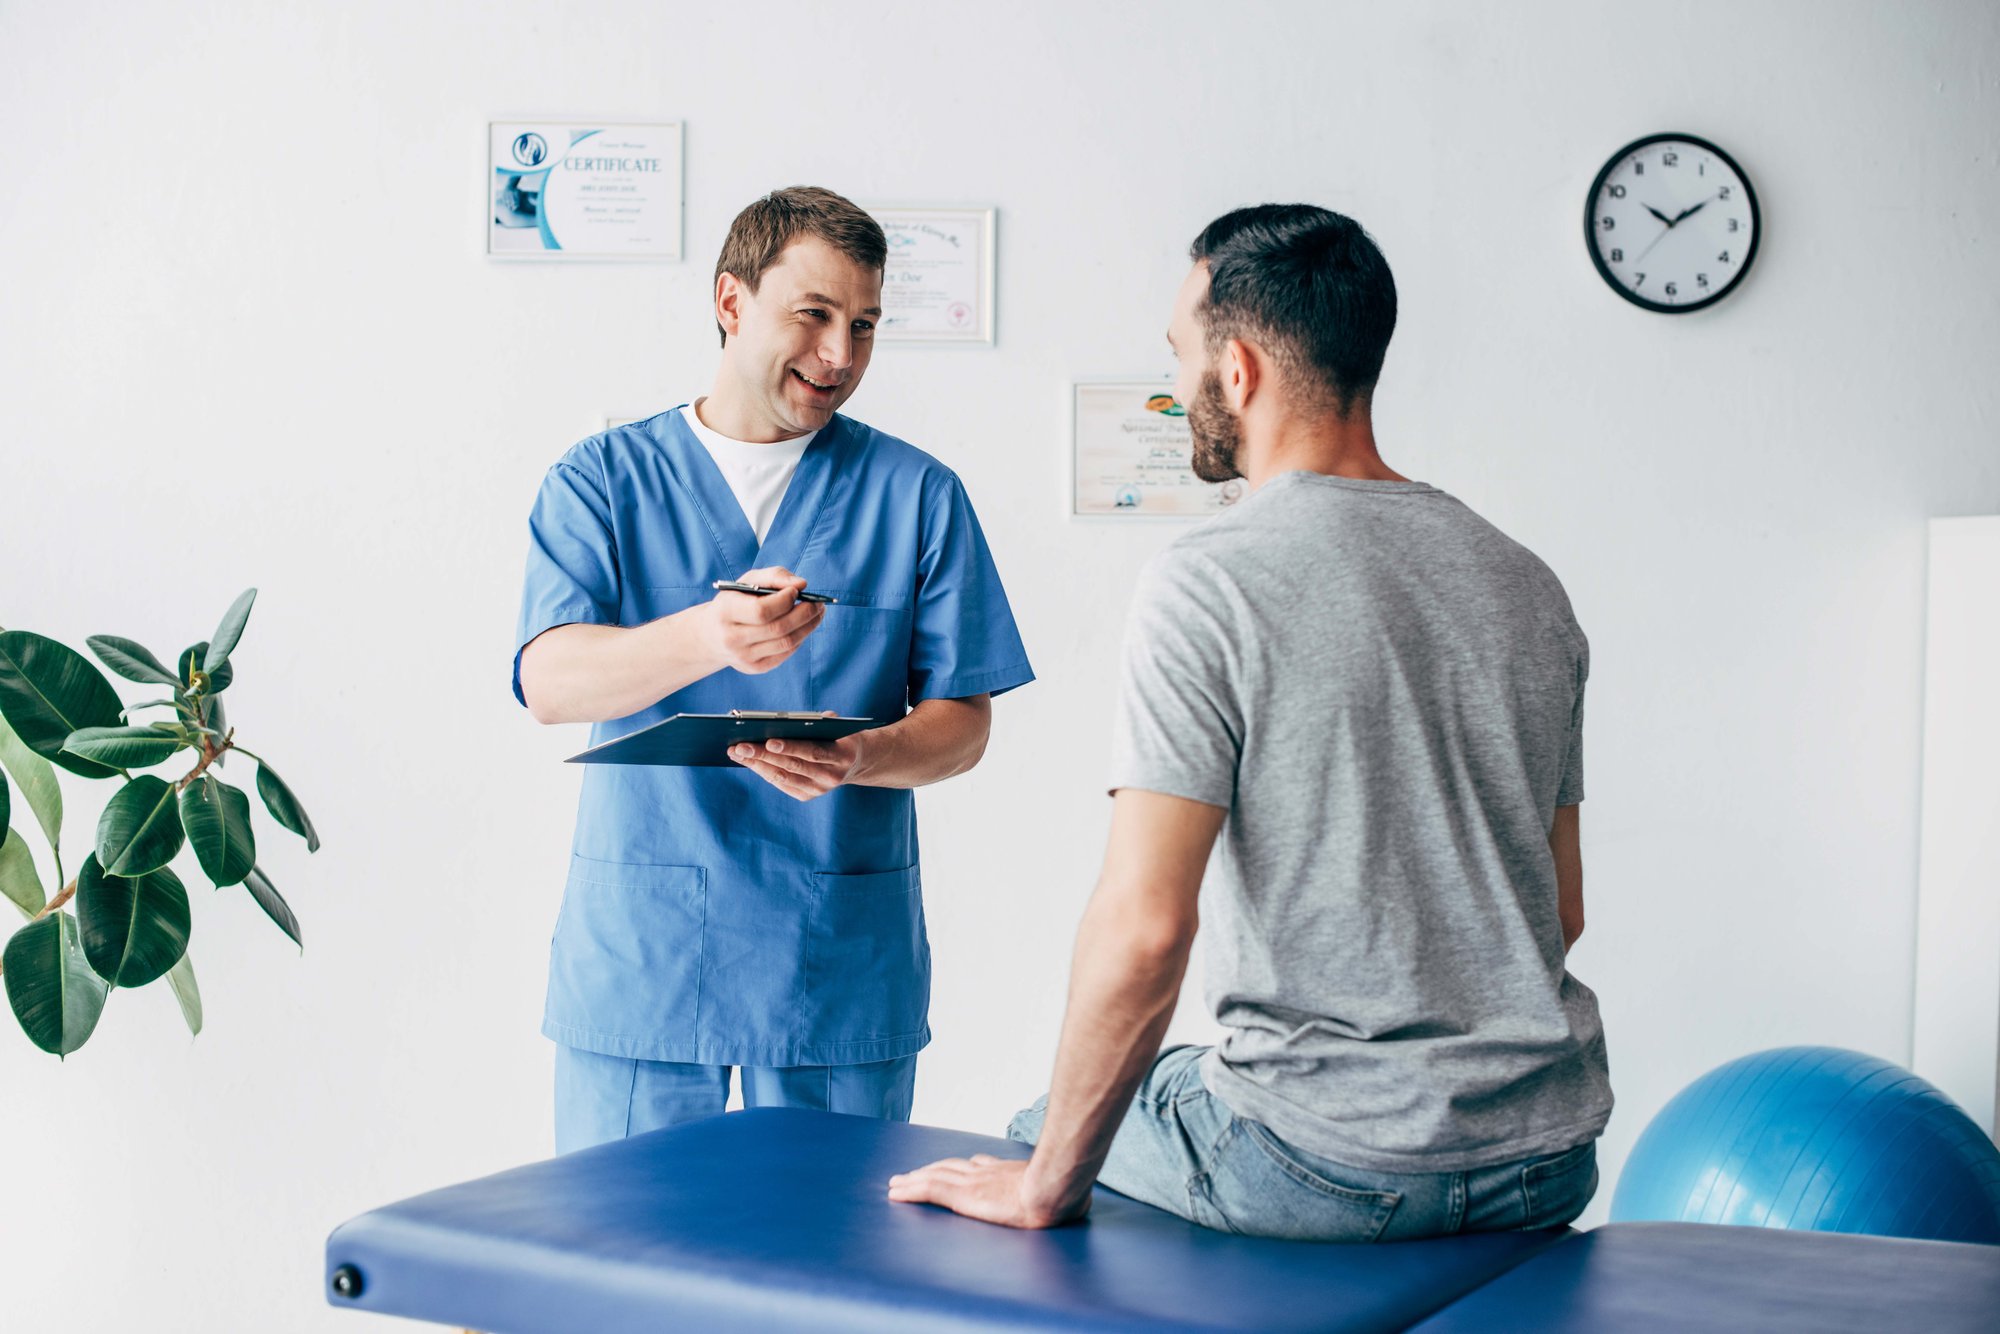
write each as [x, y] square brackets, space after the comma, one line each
[979, 330]
[1148, 385]
[489, 226]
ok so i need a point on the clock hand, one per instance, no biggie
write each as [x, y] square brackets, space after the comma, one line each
[1661, 216]
[1690, 212]
[1640, 257]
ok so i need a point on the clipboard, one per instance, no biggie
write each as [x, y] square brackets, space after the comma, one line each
[704, 739]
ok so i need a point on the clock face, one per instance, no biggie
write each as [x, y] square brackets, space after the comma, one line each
[1672, 223]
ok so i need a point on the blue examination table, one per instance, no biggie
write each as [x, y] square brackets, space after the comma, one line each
[776, 1219]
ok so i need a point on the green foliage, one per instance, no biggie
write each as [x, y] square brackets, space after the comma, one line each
[217, 819]
[127, 747]
[37, 781]
[131, 919]
[273, 903]
[134, 929]
[140, 829]
[48, 691]
[284, 807]
[50, 985]
[19, 884]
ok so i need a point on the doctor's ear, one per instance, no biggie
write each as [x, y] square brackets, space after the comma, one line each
[729, 296]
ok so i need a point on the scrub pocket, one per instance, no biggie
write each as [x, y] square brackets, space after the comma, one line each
[626, 956]
[868, 964]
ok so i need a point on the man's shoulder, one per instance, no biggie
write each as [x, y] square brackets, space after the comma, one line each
[613, 449]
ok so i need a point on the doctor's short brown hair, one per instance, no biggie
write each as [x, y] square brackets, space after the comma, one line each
[763, 230]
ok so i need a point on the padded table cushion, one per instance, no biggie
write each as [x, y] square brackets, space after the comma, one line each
[1694, 1278]
[774, 1219]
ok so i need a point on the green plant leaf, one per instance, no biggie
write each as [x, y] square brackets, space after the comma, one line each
[273, 903]
[6, 804]
[181, 978]
[284, 807]
[134, 929]
[37, 781]
[50, 986]
[133, 661]
[124, 747]
[217, 819]
[19, 882]
[216, 719]
[47, 691]
[140, 830]
[227, 633]
[190, 662]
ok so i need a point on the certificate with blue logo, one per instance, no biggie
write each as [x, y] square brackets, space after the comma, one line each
[583, 191]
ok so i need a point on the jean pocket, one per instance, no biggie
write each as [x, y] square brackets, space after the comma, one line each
[1558, 1186]
[1274, 1191]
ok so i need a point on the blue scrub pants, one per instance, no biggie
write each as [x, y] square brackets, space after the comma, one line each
[602, 1098]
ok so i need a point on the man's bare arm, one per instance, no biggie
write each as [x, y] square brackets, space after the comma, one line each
[1131, 956]
[594, 673]
[1566, 842]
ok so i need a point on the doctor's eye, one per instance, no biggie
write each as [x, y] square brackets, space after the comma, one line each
[813, 313]
[864, 326]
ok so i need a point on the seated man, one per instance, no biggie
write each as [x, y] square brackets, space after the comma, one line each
[1375, 699]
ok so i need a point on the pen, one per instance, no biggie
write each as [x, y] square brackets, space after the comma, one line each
[755, 590]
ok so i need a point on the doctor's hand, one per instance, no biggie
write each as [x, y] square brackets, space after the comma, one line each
[755, 634]
[993, 1190]
[803, 769]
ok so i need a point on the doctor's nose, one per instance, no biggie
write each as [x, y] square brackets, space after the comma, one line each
[836, 349]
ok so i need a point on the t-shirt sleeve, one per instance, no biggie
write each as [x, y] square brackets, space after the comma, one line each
[1570, 791]
[572, 559]
[964, 639]
[1179, 727]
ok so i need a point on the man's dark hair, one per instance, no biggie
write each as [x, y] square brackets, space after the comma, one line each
[1308, 286]
[763, 230]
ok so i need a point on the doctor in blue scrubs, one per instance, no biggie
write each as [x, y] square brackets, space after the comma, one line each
[765, 917]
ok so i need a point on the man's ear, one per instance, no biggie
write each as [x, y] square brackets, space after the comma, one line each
[729, 294]
[1243, 373]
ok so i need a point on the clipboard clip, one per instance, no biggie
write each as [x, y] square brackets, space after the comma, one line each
[775, 715]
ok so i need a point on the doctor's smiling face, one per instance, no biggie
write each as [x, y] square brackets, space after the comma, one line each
[798, 293]
[797, 346]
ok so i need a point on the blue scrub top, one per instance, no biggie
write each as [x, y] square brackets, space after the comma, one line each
[708, 916]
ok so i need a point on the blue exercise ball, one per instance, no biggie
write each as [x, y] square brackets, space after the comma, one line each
[1820, 1140]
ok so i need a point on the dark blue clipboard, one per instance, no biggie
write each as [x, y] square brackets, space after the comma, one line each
[704, 739]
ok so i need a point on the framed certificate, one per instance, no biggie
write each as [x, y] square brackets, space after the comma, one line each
[1131, 455]
[558, 190]
[937, 286]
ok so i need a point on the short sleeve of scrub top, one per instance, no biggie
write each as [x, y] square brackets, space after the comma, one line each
[572, 558]
[965, 641]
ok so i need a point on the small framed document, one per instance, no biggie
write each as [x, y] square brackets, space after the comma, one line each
[559, 190]
[937, 286]
[1132, 455]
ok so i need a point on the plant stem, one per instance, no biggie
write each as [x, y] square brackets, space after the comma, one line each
[210, 753]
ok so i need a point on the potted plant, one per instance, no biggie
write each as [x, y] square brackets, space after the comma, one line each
[123, 920]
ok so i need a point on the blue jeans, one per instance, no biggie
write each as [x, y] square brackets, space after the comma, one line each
[1181, 1149]
[602, 1098]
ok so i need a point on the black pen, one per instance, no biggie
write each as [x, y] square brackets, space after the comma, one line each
[755, 590]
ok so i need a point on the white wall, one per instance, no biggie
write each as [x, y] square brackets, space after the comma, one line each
[247, 336]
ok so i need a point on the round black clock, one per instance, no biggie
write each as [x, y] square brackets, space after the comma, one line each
[1672, 223]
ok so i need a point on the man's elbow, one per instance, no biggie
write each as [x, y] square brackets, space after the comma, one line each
[1572, 929]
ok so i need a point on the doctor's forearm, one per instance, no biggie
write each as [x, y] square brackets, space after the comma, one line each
[939, 739]
[594, 673]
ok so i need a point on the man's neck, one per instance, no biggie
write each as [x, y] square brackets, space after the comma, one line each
[735, 417]
[1331, 446]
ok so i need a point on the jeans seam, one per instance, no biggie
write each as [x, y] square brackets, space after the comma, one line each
[1313, 1181]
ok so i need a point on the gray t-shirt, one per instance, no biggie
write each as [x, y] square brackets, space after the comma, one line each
[1386, 693]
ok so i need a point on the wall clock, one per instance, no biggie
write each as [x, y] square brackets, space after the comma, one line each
[1672, 223]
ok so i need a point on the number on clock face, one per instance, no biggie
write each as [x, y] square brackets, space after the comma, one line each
[1672, 223]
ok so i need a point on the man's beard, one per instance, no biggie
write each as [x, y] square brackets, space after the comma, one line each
[1217, 433]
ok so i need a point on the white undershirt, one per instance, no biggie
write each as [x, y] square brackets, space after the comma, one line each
[758, 474]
